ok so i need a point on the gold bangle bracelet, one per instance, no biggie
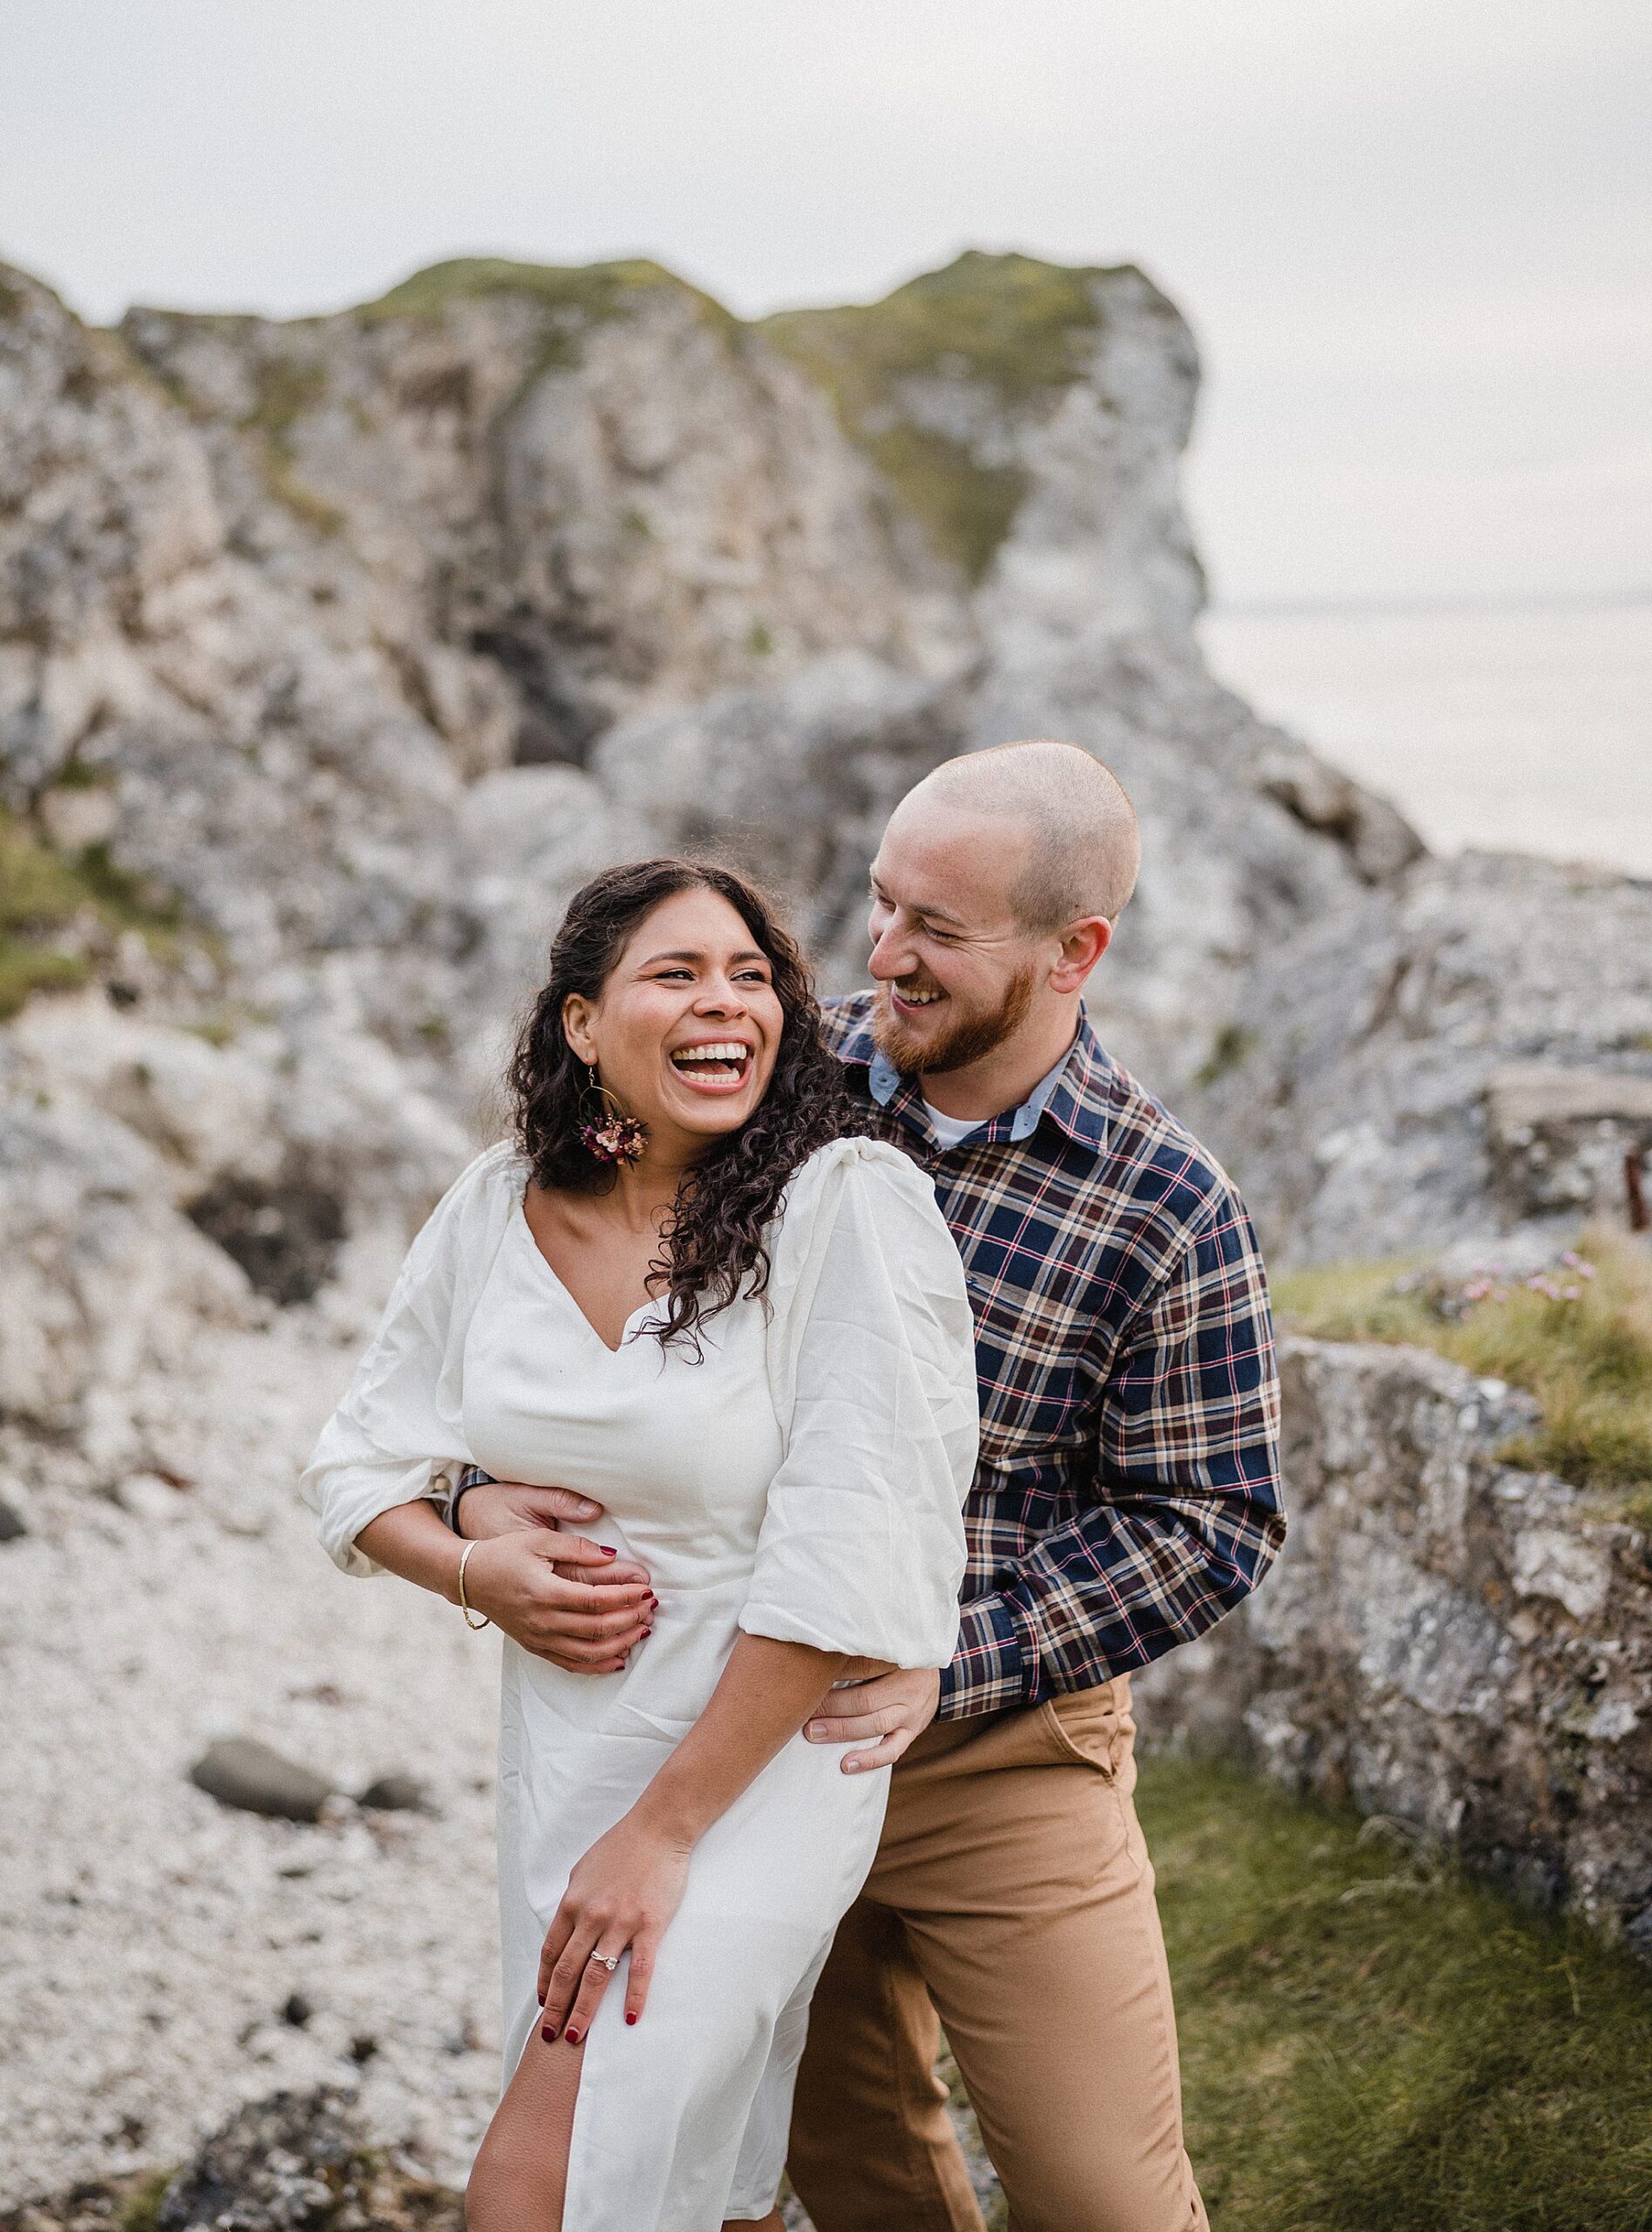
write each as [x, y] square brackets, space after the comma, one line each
[464, 1605]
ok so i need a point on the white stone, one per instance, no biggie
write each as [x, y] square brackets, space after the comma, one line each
[1550, 1561]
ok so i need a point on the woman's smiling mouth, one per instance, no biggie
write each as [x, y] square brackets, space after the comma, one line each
[713, 1066]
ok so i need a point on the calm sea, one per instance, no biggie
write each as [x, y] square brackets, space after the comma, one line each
[1529, 728]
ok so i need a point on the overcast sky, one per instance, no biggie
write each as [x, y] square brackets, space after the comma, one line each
[1414, 237]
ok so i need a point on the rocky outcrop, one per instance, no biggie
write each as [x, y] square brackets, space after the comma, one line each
[1460, 1050]
[1446, 1641]
[334, 653]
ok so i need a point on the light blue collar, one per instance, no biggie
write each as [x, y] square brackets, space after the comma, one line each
[883, 1080]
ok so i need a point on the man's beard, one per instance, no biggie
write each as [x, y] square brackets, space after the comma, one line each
[970, 1039]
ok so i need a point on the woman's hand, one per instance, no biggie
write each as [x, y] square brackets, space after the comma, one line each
[620, 1897]
[521, 1581]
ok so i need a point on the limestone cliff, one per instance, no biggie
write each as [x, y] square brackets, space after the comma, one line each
[334, 651]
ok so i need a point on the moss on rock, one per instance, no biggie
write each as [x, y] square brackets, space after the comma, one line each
[574, 297]
[1578, 1336]
[1017, 328]
[59, 914]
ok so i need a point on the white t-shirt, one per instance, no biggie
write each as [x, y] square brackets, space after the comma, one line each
[953, 1131]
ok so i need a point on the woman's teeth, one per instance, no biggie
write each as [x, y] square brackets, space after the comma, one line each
[724, 1062]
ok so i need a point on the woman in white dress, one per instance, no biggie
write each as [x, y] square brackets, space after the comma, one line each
[684, 1293]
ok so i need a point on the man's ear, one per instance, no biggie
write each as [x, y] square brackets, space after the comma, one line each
[1083, 944]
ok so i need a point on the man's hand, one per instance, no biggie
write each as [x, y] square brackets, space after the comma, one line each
[543, 1591]
[496, 1508]
[884, 1710]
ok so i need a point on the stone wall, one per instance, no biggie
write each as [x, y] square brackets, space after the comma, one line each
[1444, 1640]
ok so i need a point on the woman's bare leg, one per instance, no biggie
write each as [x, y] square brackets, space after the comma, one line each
[519, 2176]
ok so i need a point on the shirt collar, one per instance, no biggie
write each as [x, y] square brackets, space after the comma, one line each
[1074, 1095]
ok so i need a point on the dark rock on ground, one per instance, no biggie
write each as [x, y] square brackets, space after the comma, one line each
[238, 1771]
[396, 1795]
[299, 2160]
[11, 1527]
[92, 2205]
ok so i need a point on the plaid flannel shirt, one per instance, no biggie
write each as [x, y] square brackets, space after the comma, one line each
[1128, 1492]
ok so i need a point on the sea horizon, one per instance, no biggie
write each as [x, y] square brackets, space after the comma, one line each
[1505, 724]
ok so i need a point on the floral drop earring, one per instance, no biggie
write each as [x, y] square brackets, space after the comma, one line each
[616, 1137]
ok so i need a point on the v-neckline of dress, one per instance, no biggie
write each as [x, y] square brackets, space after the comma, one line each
[566, 1292]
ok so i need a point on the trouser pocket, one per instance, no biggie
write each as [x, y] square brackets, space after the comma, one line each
[1092, 1726]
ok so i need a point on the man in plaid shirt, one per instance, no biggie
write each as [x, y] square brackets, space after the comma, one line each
[1128, 1495]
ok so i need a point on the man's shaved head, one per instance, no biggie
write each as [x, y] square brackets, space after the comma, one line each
[1084, 849]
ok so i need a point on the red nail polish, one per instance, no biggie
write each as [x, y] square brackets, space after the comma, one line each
[630, 2019]
[541, 1999]
[548, 2035]
[573, 2037]
[606, 1553]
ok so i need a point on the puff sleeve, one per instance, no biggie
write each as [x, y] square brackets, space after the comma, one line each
[400, 1425]
[871, 1368]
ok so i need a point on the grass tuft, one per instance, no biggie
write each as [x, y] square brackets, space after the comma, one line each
[26, 969]
[1578, 1336]
[1372, 2043]
[285, 390]
[1010, 323]
[52, 907]
[1231, 1046]
[575, 296]
[142, 2211]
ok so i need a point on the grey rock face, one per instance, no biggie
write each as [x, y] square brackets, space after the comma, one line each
[309, 624]
[1560, 1140]
[1444, 1639]
[1463, 1049]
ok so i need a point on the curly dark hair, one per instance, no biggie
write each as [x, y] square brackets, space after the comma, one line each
[711, 1250]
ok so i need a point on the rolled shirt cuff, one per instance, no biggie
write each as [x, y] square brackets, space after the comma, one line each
[993, 1669]
[471, 1476]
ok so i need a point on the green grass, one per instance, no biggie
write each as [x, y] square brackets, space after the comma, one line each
[576, 296]
[1370, 2043]
[47, 903]
[1583, 1348]
[284, 390]
[142, 2211]
[1010, 323]
[1232, 1045]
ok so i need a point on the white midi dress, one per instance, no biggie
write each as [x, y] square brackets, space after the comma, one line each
[805, 1481]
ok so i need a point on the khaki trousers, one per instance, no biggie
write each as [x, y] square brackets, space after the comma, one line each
[1012, 1901]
